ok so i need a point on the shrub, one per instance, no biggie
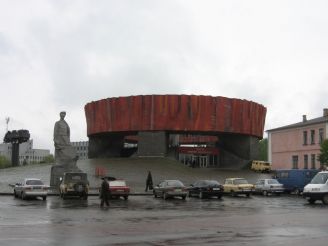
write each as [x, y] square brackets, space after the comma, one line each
[4, 162]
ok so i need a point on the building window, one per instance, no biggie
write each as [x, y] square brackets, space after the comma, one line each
[305, 138]
[320, 135]
[313, 161]
[312, 136]
[306, 160]
[295, 161]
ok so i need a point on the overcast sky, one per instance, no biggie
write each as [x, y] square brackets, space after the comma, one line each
[59, 55]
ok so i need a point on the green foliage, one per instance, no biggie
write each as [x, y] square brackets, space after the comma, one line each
[323, 156]
[49, 159]
[4, 162]
[263, 149]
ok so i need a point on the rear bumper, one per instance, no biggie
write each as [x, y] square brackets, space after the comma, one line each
[213, 193]
[244, 192]
[119, 193]
[72, 192]
[36, 193]
[174, 193]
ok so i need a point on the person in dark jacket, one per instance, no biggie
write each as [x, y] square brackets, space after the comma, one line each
[104, 192]
[149, 182]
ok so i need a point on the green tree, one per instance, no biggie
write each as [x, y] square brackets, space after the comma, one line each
[323, 156]
[263, 149]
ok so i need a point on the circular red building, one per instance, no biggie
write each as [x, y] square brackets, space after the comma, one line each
[237, 124]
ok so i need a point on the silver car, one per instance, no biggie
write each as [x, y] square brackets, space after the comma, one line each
[268, 186]
[31, 187]
[170, 188]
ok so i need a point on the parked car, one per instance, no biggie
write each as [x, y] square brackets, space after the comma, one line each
[261, 166]
[317, 189]
[74, 184]
[118, 188]
[206, 188]
[294, 180]
[170, 188]
[31, 187]
[268, 186]
[236, 186]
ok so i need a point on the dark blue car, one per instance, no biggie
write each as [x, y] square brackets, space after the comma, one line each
[294, 180]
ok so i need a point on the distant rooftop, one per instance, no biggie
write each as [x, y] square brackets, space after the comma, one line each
[305, 122]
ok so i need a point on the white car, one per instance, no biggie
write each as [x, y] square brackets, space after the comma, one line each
[317, 189]
[268, 186]
[31, 187]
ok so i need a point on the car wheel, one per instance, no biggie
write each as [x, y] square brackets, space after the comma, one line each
[248, 195]
[297, 192]
[265, 193]
[44, 198]
[219, 196]
[311, 201]
[325, 199]
[155, 195]
[164, 196]
[126, 198]
[201, 195]
[23, 196]
[183, 197]
[189, 194]
[232, 193]
[15, 194]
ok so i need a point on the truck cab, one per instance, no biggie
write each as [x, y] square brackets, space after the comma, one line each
[317, 189]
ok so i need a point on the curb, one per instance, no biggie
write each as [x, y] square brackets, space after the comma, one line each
[90, 194]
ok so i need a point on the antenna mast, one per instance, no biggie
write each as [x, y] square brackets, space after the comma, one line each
[7, 123]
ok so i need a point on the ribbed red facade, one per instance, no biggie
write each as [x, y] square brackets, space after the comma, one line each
[187, 113]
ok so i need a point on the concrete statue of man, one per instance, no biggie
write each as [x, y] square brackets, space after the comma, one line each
[61, 133]
[65, 154]
[64, 151]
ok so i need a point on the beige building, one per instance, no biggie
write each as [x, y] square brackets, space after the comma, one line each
[297, 146]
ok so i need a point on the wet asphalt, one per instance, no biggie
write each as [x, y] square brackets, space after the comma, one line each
[144, 220]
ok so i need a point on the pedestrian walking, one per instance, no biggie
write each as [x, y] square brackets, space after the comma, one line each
[104, 192]
[149, 182]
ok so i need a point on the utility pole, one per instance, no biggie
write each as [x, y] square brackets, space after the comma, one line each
[7, 123]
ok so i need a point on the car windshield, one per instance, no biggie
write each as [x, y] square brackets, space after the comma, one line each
[273, 181]
[76, 177]
[34, 182]
[240, 181]
[211, 182]
[117, 183]
[320, 178]
[175, 183]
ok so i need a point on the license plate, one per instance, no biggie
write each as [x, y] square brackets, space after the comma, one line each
[177, 190]
[119, 190]
[216, 188]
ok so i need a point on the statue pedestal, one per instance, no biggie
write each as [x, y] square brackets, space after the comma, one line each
[65, 162]
[57, 172]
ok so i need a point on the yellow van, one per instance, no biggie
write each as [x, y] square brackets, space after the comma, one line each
[261, 166]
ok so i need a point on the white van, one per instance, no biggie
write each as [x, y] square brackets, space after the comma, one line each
[317, 189]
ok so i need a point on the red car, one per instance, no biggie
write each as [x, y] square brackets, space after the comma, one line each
[118, 188]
